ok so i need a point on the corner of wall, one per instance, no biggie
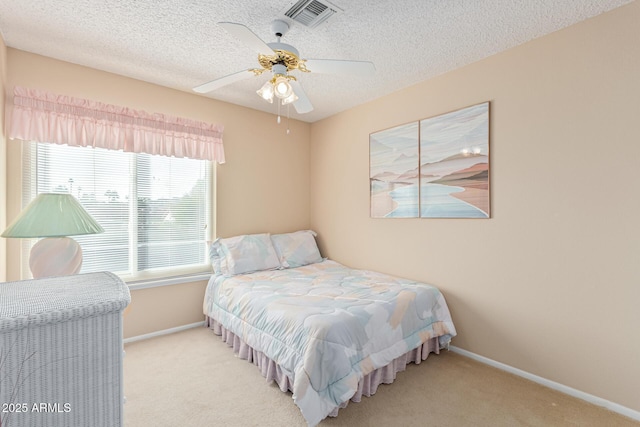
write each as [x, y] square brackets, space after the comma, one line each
[3, 158]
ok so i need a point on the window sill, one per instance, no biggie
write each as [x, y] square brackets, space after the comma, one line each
[167, 281]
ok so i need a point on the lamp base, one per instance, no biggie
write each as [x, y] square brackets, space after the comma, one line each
[55, 256]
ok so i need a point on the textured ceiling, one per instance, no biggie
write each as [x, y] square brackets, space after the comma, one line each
[176, 43]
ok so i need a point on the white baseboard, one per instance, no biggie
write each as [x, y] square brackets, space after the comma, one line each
[163, 332]
[623, 410]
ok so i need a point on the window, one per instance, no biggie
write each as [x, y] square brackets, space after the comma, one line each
[155, 210]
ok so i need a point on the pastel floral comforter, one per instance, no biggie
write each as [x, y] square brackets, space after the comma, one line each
[327, 325]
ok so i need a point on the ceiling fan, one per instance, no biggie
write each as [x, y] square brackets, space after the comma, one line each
[279, 59]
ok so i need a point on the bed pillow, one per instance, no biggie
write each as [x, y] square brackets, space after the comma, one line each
[296, 249]
[214, 256]
[243, 254]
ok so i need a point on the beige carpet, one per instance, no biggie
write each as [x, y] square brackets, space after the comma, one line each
[192, 379]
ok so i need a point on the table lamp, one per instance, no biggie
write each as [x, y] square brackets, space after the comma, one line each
[54, 216]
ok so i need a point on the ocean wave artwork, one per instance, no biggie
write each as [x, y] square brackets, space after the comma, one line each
[454, 159]
[393, 172]
[432, 168]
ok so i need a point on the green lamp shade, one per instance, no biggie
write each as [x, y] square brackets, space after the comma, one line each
[53, 215]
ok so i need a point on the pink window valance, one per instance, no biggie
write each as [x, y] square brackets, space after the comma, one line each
[45, 117]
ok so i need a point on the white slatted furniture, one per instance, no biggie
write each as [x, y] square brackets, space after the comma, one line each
[61, 351]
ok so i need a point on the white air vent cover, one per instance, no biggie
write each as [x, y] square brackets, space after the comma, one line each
[311, 13]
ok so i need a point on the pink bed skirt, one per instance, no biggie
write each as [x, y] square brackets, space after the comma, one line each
[366, 387]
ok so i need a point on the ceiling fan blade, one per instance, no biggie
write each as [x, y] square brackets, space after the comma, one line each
[248, 37]
[337, 66]
[302, 105]
[223, 81]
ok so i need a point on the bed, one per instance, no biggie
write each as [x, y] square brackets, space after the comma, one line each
[325, 332]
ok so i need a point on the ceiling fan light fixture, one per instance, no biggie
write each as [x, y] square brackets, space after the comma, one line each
[279, 58]
[282, 88]
[266, 92]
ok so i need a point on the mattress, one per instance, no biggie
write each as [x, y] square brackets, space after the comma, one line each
[327, 326]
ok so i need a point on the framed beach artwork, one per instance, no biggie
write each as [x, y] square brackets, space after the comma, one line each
[394, 159]
[454, 164]
[433, 168]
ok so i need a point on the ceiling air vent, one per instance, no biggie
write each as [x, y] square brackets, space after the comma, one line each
[311, 13]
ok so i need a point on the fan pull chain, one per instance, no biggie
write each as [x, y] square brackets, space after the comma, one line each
[278, 120]
[288, 106]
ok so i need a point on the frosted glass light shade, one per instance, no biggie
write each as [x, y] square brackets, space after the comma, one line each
[290, 99]
[53, 215]
[266, 92]
[282, 88]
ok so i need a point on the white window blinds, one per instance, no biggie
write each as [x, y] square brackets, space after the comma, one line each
[155, 210]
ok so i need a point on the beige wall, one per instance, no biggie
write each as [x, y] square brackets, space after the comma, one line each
[3, 161]
[158, 309]
[551, 283]
[263, 186]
